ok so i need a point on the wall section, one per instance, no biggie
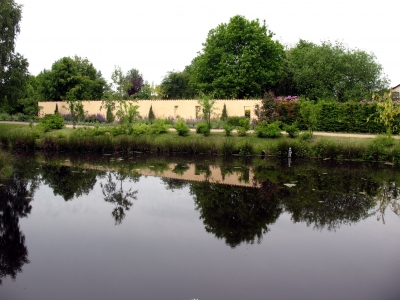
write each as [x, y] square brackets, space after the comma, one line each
[162, 108]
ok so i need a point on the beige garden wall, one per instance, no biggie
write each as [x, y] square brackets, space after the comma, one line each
[162, 108]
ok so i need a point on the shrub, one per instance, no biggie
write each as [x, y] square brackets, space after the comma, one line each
[151, 113]
[109, 115]
[228, 129]
[244, 126]
[181, 128]
[292, 130]
[379, 148]
[305, 136]
[234, 121]
[158, 127]
[5, 117]
[139, 128]
[51, 122]
[203, 128]
[265, 130]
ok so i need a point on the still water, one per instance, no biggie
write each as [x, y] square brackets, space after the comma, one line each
[139, 227]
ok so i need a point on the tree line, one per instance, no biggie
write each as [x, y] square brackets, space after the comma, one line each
[239, 60]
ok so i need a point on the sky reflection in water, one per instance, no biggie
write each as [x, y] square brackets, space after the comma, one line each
[158, 238]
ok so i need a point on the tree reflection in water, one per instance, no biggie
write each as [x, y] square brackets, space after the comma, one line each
[387, 195]
[236, 214]
[118, 196]
[15, 198]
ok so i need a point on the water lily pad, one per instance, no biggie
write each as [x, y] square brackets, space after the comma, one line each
[289, 184]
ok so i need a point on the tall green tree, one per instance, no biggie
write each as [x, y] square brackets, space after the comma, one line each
[239, 60]
[177, 85]
[71, 79]
[332, 71]
[13, 66]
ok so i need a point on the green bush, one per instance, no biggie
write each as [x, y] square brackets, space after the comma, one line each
[228, 129]
[203, 128]
[234, 120]
[379, 148]
[139, 128]
[51, 122]
[305, 136]
[5, 117]
[182, 128]
[158, 127]
[265, 130]
[292, 130]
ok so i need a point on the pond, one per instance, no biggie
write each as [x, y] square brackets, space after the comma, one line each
[148, 227]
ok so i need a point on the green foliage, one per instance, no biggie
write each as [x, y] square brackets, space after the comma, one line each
[158, 127]
[5, 165]
[224, 114]
[234, 121]
[349, 117]
[177, 85]
[140, 128]
[204, 128]
[310, 113]
[239, 60]
[51, 122]
[388, 111]
[269, 108]
[127, 112]
[292, 130]
[56, 109]
[181, 128]
[13, 66]
[207, 107]
[332, 71]
[71, 79]
[379, 148]
[151, 113]
[109, 115]
[244, 126]
[265, 130]
[306, 136]
[228, 129]
[75, 108]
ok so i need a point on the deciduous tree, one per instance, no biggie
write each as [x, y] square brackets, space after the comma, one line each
[332, 71]
[13, 66]
[239, 60]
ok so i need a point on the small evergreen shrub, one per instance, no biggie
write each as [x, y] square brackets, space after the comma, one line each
[244, 126]
[151, 113]
[109, 115]
[224, 114]
[181, 128]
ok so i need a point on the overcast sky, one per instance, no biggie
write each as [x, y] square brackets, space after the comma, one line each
[156, 36]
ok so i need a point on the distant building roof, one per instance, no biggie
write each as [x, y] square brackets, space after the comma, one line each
[395, 86]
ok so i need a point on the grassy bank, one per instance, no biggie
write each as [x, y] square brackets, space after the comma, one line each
[20, 137]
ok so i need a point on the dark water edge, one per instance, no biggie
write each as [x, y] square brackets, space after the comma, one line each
[116, 227]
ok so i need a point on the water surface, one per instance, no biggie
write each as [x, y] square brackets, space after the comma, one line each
[141, 227]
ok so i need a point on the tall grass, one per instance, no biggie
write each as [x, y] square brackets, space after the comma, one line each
[104, 141]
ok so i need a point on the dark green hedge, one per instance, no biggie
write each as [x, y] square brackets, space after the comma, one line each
[337, 117]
